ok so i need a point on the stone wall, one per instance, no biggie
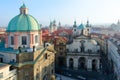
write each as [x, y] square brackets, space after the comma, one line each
[24, 57]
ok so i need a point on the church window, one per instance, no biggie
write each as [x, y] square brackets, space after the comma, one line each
[67, 50]
[24, 40]
[87, 29]
[76, 50]
[61, 43]
[52, 71]
[60, 49]
[24, 11]
[46, 56]
[36, 39]
[82, 45]
[12, 40]
[74, 29]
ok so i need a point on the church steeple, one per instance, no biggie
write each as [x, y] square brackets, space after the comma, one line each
[74, 24]
[54, 23]
[23, 9]
[87, 25]
[50, 24]
[118, 23]
[59, 24]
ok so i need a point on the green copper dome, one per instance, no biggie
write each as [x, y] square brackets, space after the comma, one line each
[23, 22]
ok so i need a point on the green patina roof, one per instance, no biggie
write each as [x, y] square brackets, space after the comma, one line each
[23, 22]
[81, 26]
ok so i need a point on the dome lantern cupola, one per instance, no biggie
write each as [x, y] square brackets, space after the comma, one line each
[23, 9]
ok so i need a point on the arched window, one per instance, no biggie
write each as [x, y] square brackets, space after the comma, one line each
[24, 40]
[71, 62]
[81, 62]
[12, 40]
[24, 11]
[94, 64]
[36, 39]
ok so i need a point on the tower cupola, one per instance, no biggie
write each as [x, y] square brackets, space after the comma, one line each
[74, 24]
[23, 9]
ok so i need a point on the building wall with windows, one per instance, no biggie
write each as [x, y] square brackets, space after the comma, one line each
[22, 39]
[24, 50]
[83, 53]
[7, 57]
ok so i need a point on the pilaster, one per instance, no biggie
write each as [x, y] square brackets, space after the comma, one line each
[98, 65]
[75, 63]
[16, 44]
[89, 65]
[31, 40]
[67, 60]
[6, 41]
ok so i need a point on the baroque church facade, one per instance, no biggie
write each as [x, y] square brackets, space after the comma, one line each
[52, 26]
[83, 52]
[24, 50]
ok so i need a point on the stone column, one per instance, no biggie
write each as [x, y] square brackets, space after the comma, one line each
[89, 65]
[31, 40]
[6, 41]
[40, 38]
[75, 63]
[67, 61]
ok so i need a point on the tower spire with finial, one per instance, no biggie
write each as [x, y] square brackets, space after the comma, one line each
[75, 24]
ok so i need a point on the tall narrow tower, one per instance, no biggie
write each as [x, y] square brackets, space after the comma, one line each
[54, 25]
[50, 27]
[74, 29]
[88, 28]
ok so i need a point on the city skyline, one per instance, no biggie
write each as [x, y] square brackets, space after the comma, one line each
[96, 11]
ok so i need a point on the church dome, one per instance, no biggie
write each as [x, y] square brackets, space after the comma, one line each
[81, 26]
[23, 22]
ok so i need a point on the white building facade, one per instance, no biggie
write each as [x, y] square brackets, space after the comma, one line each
[83, 52]
[7, 73]
[114, 56]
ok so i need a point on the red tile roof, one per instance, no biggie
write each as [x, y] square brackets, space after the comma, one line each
[68, 31]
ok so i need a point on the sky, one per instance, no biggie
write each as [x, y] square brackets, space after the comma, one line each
[64, 11]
